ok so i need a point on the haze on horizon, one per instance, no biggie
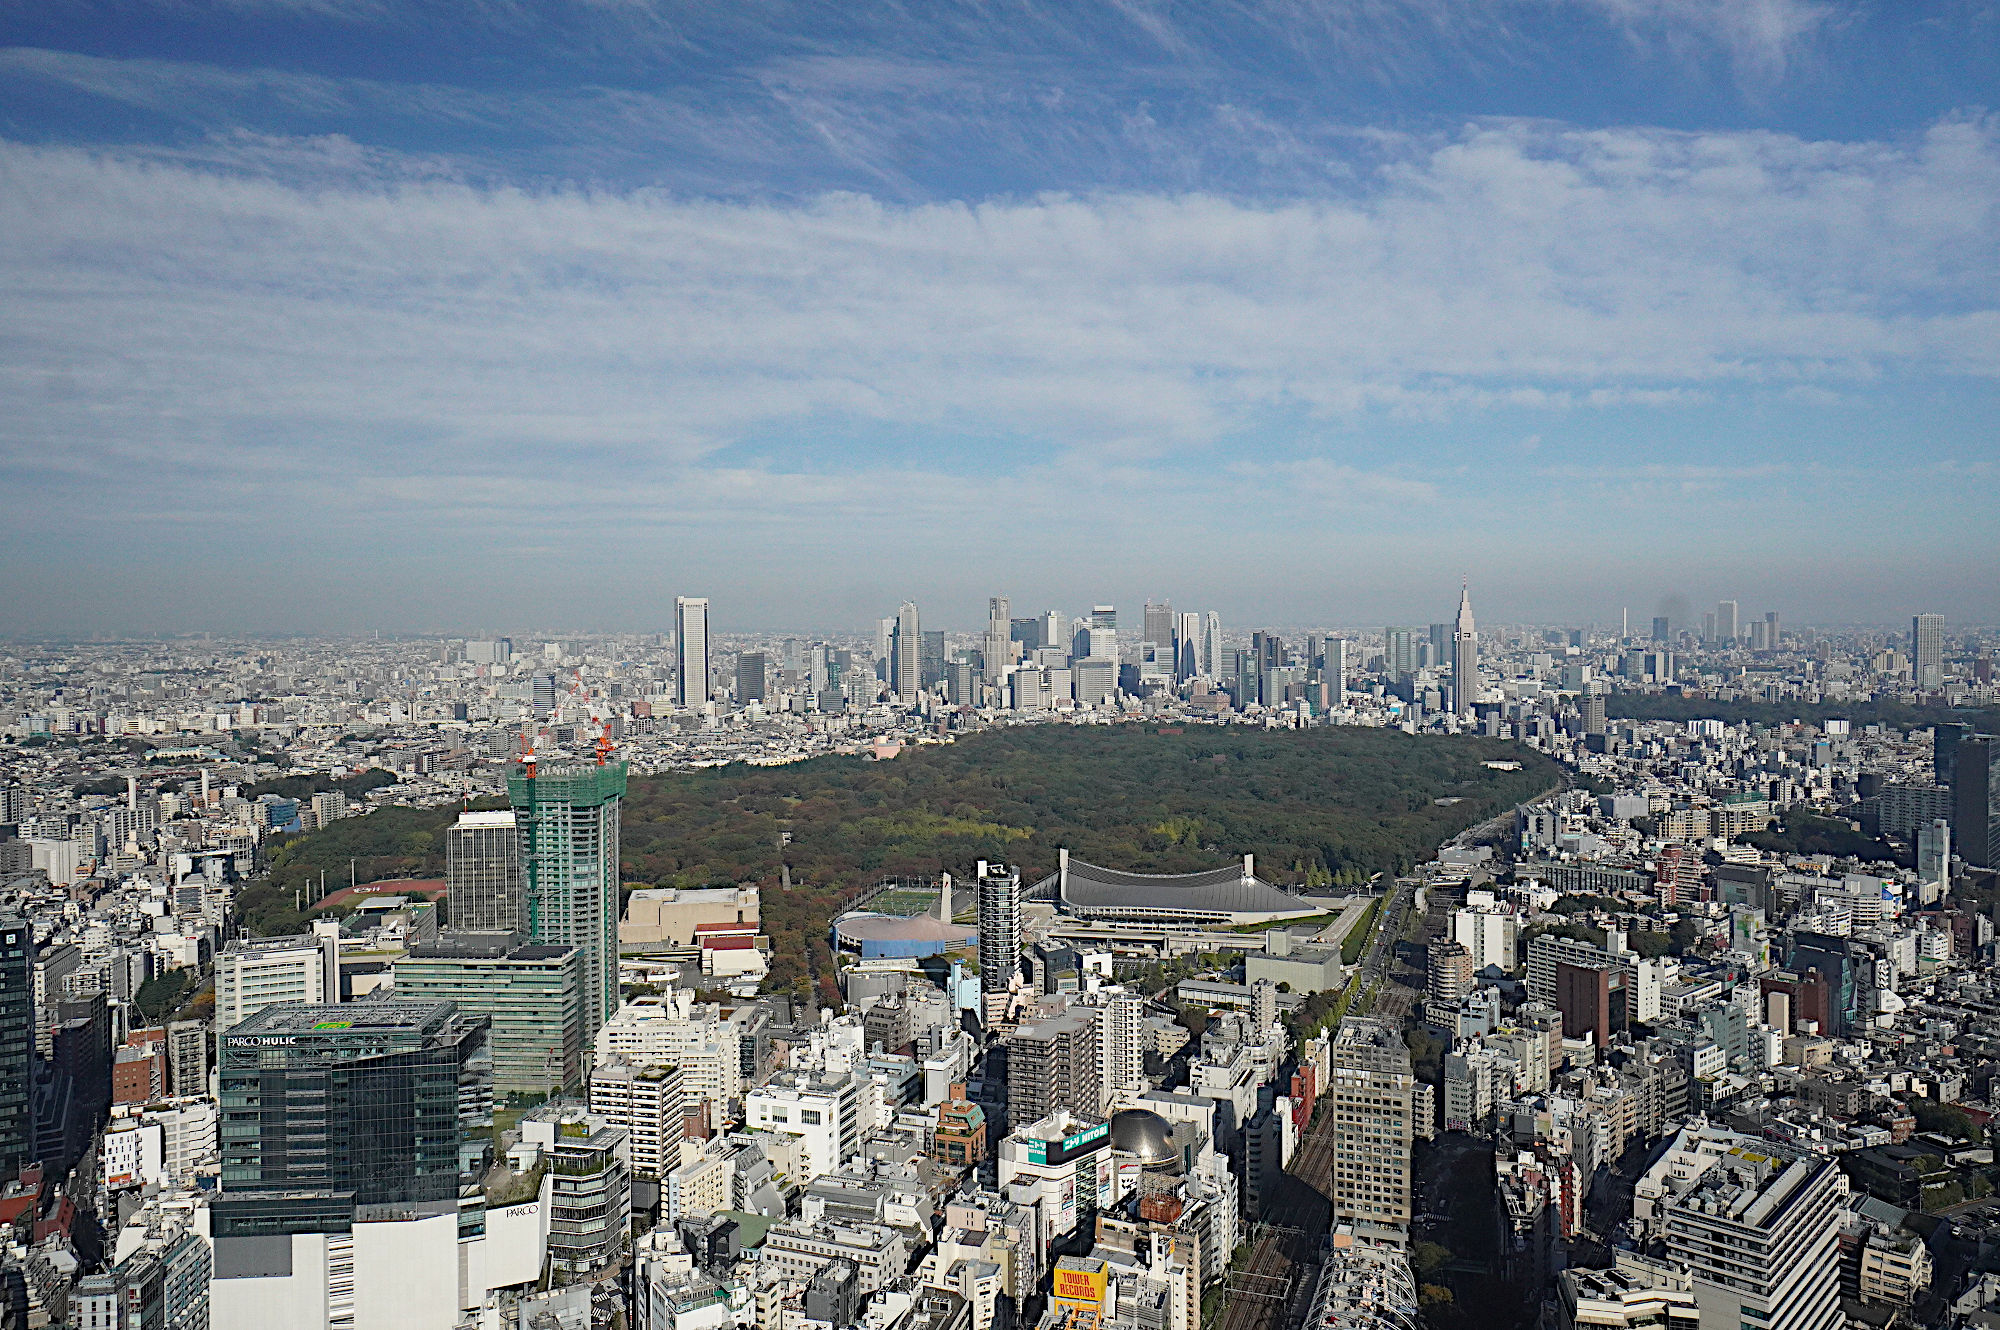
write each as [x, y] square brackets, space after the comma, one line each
[327, 315]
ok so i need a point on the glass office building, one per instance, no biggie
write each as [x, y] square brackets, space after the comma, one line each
[568, 817]
[533, 994]
[333, 1111]
[17, 1044]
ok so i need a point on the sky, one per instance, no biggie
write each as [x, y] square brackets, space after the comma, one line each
[495, 315]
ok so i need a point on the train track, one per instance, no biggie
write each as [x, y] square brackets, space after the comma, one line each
[1271, 1287]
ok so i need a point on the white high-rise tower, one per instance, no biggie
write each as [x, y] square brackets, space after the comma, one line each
[691, 663]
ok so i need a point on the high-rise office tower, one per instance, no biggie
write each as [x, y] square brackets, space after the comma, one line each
[1927, 650]
[692, 687]
[999, 932]
[1464, 656]
[1104, 632]
[749, 677]
[1211, 645]
[1945, 739]
[1975, 800]
[1187, 646]
[1373, 1090]
[1708, 629]
[482, 871]
[17, 1044]
[1662, 628]
[569, 820]
[327, 1110]
[1028, 634]
[1334, 669]
[1441, 644]
[999, 634]
[1159, 629]
[1399, 650]
[906, 666]
[931, 663]
[1053, 627]
[1728, 623]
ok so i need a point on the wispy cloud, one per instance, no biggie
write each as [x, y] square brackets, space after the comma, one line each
[195, 327]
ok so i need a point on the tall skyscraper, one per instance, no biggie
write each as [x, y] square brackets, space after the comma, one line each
[1373, 1091]
[999, 634]
[1211, 645]
[569, 819]
[1464, 656]
[1662, 628]
[1945, 739]
[1159, 628]
[1125, 1039]
[931, 664]
[1927, 650]
[750, 668]
[1334, 670]
[1975, 800]
[906, 666]
[17, 1044]
[1104, 632]
[999, 932]
[692, 687]
[1441, 645]
[482, 871]
[1728, 621]
[1187, 646]
[1399, 650]
[1053, 628]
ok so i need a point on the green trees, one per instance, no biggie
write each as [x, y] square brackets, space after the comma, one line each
[1331, 805]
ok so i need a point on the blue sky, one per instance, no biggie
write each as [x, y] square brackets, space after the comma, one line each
[325, 314]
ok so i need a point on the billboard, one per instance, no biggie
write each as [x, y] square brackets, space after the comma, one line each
[1079, 1288]
[1056, 1152]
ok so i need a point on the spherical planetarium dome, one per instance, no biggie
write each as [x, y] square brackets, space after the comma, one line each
[1142, 1132]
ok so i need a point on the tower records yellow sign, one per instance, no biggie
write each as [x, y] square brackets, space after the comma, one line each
[1079, 1286]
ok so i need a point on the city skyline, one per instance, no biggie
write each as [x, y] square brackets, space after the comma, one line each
[394, 317]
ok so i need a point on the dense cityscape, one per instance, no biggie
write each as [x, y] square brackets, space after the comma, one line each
[999, 665]
[1701, 1031]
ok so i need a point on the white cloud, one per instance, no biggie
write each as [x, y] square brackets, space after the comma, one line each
[351, 347]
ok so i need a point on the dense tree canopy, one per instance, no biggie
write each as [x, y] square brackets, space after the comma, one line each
[1327, 806]
[1320, 806]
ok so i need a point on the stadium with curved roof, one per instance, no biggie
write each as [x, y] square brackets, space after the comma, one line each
[908, 937]
[1232, 895]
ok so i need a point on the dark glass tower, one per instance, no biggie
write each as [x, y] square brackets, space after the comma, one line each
[331, 1110]
[1975, 797]
[17, 1044]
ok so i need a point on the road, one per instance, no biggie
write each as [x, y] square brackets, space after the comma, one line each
[1274, 1286]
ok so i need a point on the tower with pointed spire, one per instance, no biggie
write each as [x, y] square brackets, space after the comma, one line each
[1465, 655]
